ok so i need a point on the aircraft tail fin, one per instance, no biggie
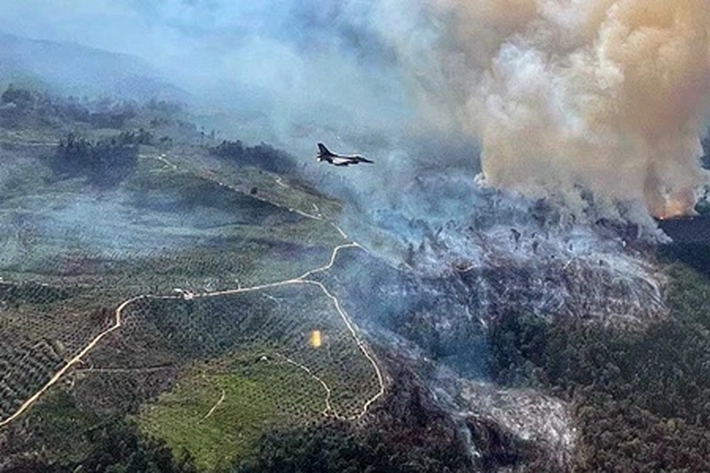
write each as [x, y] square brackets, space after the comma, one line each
[323, 151]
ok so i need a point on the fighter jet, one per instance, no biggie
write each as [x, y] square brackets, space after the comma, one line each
[324, 154]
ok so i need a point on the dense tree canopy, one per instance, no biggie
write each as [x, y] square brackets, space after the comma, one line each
[641, 399]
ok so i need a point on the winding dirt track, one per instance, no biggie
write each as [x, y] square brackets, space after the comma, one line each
[118, 317]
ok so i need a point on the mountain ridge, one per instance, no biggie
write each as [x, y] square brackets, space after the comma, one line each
[74, 69]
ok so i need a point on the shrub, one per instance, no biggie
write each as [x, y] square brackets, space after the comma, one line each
[261, 156]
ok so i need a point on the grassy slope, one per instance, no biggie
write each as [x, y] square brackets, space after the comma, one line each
[264, 243]
[60, 436]
[257, 396]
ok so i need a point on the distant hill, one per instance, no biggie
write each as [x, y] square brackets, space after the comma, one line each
[71, 69]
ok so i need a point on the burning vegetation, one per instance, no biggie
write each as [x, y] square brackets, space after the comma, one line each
[605, 95]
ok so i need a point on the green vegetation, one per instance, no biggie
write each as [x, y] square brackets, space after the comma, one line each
[264, 218]
[640, 398]
[73, 254]
[261, 156]
[694, 255]
[18, 96]
[186, 192]
[404, 433]
[105, 163]
[334, 448]
[67, 439]
[689, 296]
[15, 295]
[263, 386]
[256, 394]
[24, 108]
[287, 192]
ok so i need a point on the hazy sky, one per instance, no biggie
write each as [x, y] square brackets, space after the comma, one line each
[557, 92]
[305, 57]
[164, 29]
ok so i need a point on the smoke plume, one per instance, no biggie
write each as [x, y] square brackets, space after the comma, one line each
[562, 95]
[605, 95]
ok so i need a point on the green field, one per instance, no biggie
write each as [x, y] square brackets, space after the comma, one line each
[256, 396]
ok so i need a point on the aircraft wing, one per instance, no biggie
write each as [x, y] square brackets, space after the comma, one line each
[340, 161]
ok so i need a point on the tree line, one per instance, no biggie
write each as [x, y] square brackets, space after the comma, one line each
[104, 162]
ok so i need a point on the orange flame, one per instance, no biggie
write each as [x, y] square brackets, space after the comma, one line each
[316, 339]
[676, 207]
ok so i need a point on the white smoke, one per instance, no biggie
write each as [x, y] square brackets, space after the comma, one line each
[607, 95]
[563, 95]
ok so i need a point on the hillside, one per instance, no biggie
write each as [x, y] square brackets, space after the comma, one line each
[174, 302]
[70, 69]
[127, 256]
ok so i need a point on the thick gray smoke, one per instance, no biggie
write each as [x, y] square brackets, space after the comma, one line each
[562, 95]
[607, 95]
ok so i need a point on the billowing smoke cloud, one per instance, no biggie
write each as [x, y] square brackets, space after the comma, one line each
[607, 95]
[562, 95]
